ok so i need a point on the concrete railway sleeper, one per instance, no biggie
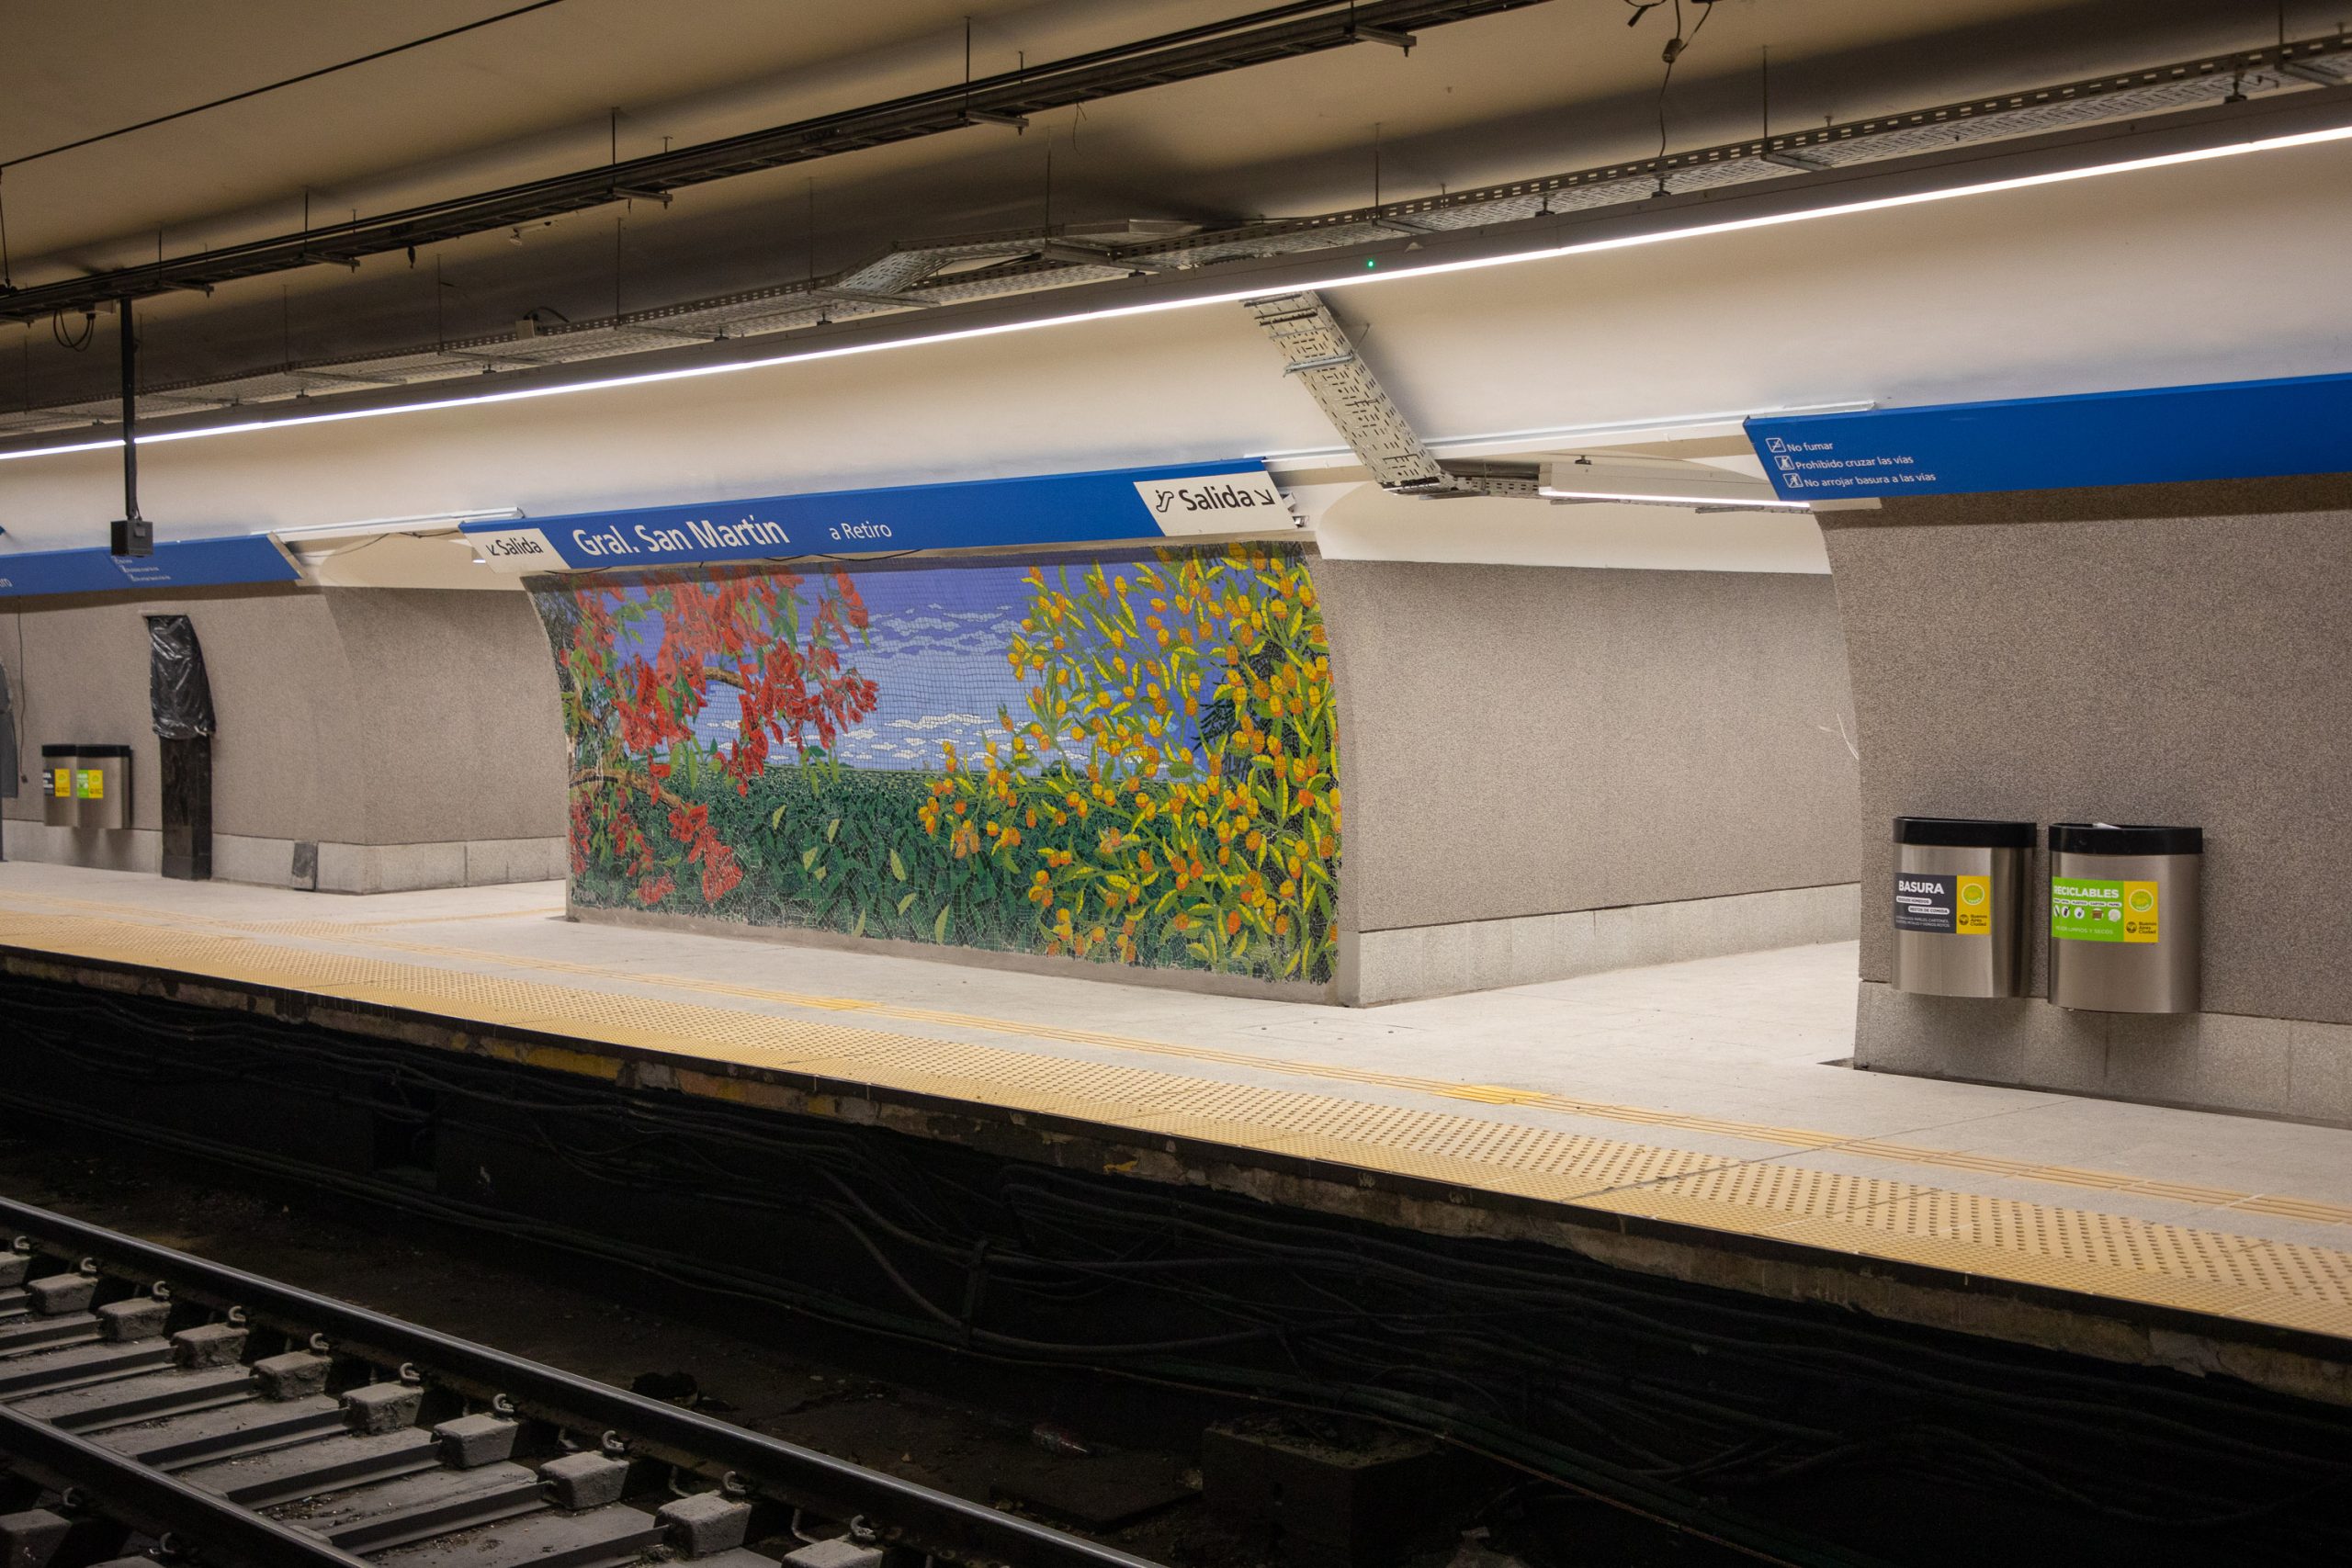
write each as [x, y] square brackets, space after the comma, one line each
[153, 1405]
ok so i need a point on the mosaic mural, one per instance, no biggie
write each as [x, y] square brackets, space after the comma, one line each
[1126, 759]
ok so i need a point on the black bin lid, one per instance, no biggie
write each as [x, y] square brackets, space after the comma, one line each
[2124, 839]
[100, 751]
[60, 750]
[1964, 834]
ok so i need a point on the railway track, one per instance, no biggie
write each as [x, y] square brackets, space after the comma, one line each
[157, 1405]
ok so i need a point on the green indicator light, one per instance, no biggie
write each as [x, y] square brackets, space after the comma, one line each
[1371, 262]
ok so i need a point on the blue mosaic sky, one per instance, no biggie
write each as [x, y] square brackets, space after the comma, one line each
[934, 647]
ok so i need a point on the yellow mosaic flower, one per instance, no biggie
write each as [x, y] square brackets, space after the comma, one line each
[1186, 704]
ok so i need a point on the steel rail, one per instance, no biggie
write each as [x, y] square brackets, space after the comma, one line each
[908, 1514]
[1254, 39]
[144, 1498]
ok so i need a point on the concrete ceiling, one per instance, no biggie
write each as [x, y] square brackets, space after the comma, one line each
[1554, 86]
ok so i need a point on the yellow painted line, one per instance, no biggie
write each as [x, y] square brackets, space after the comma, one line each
[2312, 1211]
[2292, 1208]
[2214, 1271]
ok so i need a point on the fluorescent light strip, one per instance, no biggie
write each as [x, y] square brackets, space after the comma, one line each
[1353, 279]
[1741, 502]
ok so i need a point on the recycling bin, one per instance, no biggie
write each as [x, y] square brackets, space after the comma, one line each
[1960, 906]
[102, 786]
[2126, 926]
[58, 806]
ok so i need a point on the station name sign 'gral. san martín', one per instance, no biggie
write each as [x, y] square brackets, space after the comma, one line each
[1113, 505]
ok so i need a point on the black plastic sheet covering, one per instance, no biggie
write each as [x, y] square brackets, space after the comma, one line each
[8, 750]
[176, 687]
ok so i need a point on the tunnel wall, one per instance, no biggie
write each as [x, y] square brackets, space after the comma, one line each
[2173, 654]
[1555, 770]
[408, 737]
[1135, 760]
[1108, 757]
[2032, 292]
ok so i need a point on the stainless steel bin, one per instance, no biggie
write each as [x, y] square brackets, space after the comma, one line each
[58, 806]
[1960, 906]
[102, 786]
[2126, 923]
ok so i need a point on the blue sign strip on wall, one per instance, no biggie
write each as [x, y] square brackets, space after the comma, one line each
[186, 563]
[2228, 430]
[1233, 497]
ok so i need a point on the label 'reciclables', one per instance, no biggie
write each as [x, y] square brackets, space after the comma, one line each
[2088, 908]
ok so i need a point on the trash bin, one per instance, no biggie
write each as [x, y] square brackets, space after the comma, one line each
[1960, 906]
[102, 786]
[58, 807]
[2126, 927]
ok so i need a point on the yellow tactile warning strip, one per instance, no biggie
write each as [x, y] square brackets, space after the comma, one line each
[2254, 1279]
[370, 934]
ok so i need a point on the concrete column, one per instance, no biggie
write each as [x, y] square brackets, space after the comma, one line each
[2176, 654]
[370, 740]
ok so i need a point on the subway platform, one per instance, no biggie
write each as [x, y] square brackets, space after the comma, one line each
[1695, 1120]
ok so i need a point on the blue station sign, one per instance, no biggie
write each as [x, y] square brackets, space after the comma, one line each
[184, 563]
[1110, 505]
[2160, 434]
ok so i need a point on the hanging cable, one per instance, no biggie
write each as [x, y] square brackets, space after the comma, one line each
[1676, 48]
[274, 87]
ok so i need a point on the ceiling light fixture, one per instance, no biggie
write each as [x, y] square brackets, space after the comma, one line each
[1700, 227]
[1658, 427]
[422, 522]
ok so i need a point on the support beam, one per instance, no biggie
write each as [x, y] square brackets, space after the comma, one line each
[134, 536]
[1276, 33]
